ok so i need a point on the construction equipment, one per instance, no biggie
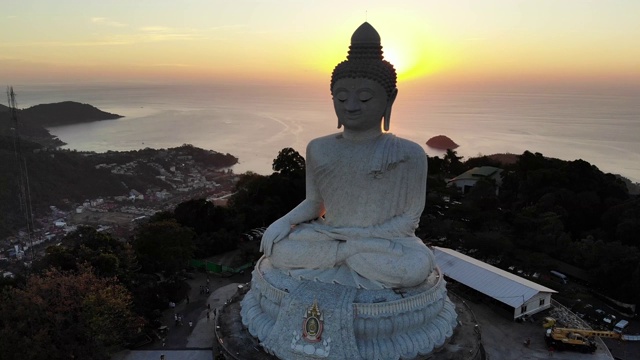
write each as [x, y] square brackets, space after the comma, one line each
[582, 340]
[576, 339]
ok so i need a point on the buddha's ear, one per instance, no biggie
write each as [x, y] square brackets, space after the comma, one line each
[339, 122]
[387, 110]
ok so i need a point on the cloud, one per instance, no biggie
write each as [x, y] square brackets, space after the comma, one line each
[107, 22]
[163, 33]
[67, 43]
[170, 65]
[146, 34]
[227, 27]
[155, 29]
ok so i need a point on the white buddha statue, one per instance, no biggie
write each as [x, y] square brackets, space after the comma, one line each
[365, 188]
[343, 275]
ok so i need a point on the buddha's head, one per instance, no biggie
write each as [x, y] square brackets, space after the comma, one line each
[364, 86]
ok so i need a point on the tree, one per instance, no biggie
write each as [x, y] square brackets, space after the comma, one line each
[489, 243]
[288, 162]
[616, 269]
[248, 201]
[203, 216]
[107, 256]
[66, 315]
[482, 195]
[214, 243]
[164, 246]
[216, 227]
[452, 164]
[435, 165]
[260, 200]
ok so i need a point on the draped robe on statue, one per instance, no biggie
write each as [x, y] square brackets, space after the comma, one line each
[373, 191]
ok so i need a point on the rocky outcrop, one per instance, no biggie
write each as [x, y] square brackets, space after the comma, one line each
[441, 142]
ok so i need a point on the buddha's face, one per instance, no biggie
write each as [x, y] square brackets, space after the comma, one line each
[359, 103]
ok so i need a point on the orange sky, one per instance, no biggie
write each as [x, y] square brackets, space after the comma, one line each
[453, 43]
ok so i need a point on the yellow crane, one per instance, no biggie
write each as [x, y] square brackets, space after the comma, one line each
[582, 340]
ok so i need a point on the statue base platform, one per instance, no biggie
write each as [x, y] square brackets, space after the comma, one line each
[302, 319]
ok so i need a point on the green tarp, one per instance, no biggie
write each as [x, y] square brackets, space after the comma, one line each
[217, 268]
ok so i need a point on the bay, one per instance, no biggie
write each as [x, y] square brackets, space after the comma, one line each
[255, 122]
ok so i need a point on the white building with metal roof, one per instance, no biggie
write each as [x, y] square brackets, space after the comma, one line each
[469, 178]
[523, 296]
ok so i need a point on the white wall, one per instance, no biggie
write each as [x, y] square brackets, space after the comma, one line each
[533, 305]
[460, 184]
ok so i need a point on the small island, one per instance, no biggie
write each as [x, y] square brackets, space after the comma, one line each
[441, 142]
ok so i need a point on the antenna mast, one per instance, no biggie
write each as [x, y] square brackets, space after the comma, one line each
[24, 194]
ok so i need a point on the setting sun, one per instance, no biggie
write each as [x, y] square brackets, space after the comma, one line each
[395, 57]
[212, 41]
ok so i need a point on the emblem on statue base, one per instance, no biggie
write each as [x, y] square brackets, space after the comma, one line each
[313, 324]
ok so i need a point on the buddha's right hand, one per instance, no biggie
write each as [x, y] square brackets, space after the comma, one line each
[274, 233]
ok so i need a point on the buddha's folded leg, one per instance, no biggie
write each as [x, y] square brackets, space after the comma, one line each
[304, 254]
[395, 271]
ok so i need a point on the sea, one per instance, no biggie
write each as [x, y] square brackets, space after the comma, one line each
[254, 122]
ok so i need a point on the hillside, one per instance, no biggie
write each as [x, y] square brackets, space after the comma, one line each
[64, 178]
[64, 113]
[34, 120]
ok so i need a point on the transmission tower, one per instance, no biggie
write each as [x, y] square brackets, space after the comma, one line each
[24, 193]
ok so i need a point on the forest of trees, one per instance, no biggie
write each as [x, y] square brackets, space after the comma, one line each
[547, 210]
[96, 292]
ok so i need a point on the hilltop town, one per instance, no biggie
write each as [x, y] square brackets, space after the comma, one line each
[141, 183]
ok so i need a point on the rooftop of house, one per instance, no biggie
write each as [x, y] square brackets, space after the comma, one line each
[478, 172]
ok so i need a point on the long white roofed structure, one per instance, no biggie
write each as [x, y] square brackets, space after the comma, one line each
[523, 296]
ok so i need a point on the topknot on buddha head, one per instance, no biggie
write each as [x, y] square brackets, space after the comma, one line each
[365, 60]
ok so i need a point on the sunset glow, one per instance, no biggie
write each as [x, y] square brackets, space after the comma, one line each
[457, 42]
